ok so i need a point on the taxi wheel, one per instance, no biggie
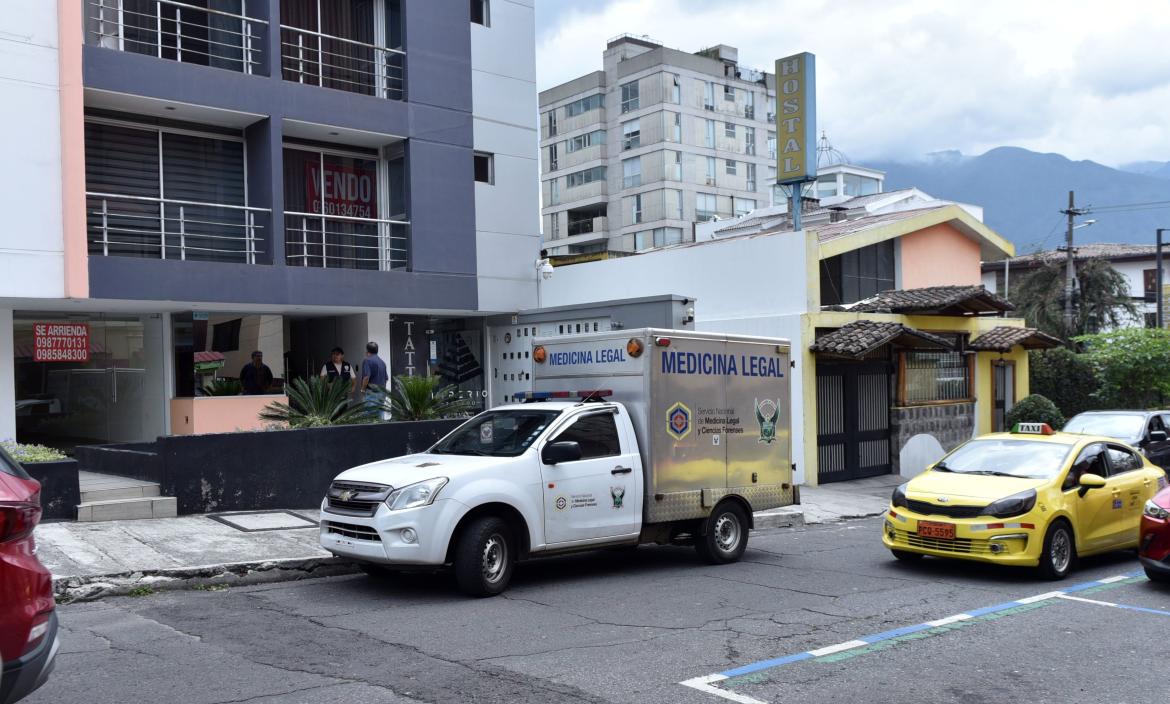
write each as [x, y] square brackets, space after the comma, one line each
[484, 557]
[1060, 551]
[725, 537]
[905, 556]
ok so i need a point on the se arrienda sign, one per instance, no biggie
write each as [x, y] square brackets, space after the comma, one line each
[61, 342]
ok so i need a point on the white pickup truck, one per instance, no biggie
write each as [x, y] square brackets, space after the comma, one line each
[642, 436]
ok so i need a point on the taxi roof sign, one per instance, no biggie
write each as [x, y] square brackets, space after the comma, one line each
[1032, 429]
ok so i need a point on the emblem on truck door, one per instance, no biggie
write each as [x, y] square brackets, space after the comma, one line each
[678, 421]
[618, 493]
[767, 415]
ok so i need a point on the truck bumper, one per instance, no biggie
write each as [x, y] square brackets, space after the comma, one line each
[386, 537]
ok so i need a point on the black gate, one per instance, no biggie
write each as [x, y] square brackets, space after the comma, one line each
[853, 421]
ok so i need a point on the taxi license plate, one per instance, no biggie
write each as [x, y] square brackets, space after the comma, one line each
[941, 531]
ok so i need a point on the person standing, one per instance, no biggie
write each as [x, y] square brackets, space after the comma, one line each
[256, 378]
[338, 369]
[374, 377]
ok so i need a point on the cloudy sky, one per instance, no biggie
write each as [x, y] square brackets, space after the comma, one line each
[902, 78]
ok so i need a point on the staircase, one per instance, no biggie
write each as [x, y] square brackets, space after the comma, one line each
[105, 497]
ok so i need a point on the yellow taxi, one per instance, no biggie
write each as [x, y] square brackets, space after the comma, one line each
[1031, 497]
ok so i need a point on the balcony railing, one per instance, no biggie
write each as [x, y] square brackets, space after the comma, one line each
[177, 31]
[333, 62]
[157, 228]
[334, 242]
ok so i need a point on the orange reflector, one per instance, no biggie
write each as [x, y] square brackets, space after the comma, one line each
[634, 347]
[539, 354]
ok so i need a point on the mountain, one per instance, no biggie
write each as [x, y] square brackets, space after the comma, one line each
[1022, 193]
[1161, 169]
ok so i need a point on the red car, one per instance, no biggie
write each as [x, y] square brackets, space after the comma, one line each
[28, 622]
[1154, 548]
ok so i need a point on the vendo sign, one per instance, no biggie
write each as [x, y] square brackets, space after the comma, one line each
[61, 342]
[347, 190]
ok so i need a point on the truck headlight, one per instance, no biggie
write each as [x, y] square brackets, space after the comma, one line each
[898, 499]
[1014, 505]
[415, 495]
[1153, 510]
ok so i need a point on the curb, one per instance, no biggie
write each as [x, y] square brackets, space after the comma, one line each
[777, 518]
[69, 590]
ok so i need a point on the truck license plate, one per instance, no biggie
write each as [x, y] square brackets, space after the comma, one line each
[941, 531]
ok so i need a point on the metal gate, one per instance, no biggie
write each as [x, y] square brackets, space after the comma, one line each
[853, 421]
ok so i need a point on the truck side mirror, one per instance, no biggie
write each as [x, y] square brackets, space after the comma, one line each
[1157, 436]
[563, 451]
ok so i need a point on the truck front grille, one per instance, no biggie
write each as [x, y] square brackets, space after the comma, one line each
[356, 499]
[350, 530]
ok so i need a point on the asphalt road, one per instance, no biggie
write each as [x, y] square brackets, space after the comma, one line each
[630, 627]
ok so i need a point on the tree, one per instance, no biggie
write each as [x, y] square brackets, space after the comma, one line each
[422, 398]
[317, 402]
[1101, 300]
[1065, 377]
[1132, 366]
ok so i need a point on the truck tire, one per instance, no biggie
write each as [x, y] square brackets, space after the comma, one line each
[1059, 553]
[484, 557]
[725, 535]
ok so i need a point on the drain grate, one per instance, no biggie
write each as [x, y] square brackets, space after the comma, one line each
[253, 521]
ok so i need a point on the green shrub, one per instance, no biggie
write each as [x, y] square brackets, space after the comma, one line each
[423, 398]
[1132, 366]
[223, 387]
[1066, 378]
[1035, 409]
[317, 402]
[28, 454]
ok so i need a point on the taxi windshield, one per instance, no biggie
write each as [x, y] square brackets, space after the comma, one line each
[496, 433]
[1028, 459]
[1123, 426]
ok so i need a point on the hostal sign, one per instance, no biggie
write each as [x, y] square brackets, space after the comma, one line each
[796, 119]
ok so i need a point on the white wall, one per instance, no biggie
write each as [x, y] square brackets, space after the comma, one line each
[507, 213]
[32, 263]
[7, 378]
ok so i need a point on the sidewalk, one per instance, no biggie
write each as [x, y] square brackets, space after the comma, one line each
[92, 560]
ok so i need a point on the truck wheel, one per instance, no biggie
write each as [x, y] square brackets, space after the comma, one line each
[1059, 553]
[725, 535]
[484, 557]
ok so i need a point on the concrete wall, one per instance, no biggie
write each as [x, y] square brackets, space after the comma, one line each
[922, 251]
[503, 88]
[219, 414]
[32, 255]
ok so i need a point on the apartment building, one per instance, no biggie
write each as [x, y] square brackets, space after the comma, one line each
[634, 154]
[198, 180]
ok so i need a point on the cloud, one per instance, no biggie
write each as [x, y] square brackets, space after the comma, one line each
[902, 78]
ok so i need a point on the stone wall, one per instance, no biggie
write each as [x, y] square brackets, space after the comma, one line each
[949, 424]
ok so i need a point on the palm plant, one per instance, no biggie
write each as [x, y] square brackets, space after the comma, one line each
[315, 402]
[423, 398]
[223, 387]
[1101, 302]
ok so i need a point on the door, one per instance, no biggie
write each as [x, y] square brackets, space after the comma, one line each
[1095, 510]
[853, 421]
[1003, 376]
[587, 499]
[1132, 486]
[1158, 451]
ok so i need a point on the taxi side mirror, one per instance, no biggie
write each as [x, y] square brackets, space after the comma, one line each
[562, 451]
[1090, 481]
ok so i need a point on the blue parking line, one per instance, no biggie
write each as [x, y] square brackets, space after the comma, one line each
[926, 626]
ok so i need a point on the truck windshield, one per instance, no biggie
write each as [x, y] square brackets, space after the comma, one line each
[496, 433]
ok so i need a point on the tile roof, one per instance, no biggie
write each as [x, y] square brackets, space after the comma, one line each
[860, 337]
[204, 357]
[832, 230]
[1003, 338]
[941, 300]
[1091, 250]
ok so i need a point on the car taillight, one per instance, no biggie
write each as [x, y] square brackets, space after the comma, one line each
[37, 633]
[18, 520]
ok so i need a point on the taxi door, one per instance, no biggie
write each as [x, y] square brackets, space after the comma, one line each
[1093, 509]
[592, 497]
[1132, 484]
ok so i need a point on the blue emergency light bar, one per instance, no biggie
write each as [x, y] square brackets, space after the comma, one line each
[586, 395]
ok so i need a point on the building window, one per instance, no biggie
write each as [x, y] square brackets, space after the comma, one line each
[728, 93]
[771, 144]
[730, 166]
[635, 208]
[708, 95]
[554, 187]
[675, 89]
[709, 135]
[554, 226]
[712, 166]
[827, 186]
[729, 130]
[858, 274]
[658, 237]
[631, 135]
[751, 176]
[672, 204]
[673, 129]
[706, 206]
[1150, 284]
[749, 108]
[1151, 320]
[860, 185]
[552, 122]
[631, 172]
[479, 12]
[584, 141]
[580, 178]
[225, 337]
[583, 105]
[673, 165]
[749, 141]
[743, 206]
[484, 167]
[552, 157]
[629, 96]
[930, 377]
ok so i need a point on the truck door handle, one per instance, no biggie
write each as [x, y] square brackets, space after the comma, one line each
[622, 470]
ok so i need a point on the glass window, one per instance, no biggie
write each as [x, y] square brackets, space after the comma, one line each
[712, 165]
[1123, 426]
[552, 157]
[1090, 461]
[580, 178]
[629, 96]
[710, 134]
[596, 433]
[827, 186]
[583, 105]
[673, 165]
[496, 433]
[771, 145]
[634, 208]
[583, 141]
[631, 135]
[859, 274]
[675, 89]
[744, 205]
[935, 376]
[860, 185]
[706, 206]
[631, 172]
[749, 107]
[554, 187]
[749, 141]
[1121, 460]
[1017, 458]
[730, 167]
[708, 95]
[751, 176]
[479, 12]
[728, 92]
[484, 167]
[554, 227]
[729, 130]
[552, 122]
[673, 121]
[672, 203]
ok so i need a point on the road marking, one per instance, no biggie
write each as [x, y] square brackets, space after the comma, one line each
[938, 626]
[1126, 607]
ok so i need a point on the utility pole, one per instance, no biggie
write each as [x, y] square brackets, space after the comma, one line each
[1158, 285]
[1069, 268]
